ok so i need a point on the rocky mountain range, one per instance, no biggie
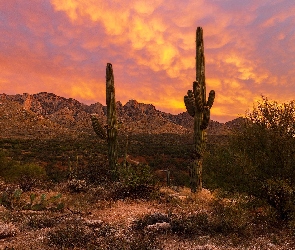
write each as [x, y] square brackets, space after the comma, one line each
[46, 114]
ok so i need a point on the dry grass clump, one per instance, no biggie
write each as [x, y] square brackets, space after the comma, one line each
[80, 234]
[42, 220]
[226, 222]
[175, 219]
[70, 235]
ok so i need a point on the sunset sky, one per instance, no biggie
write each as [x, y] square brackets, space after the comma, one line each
[63, 46]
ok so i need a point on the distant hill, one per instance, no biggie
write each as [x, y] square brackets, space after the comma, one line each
[17, 122]
[46, 114]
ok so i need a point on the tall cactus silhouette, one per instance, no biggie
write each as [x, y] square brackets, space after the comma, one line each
[112, 126]
[199, 108]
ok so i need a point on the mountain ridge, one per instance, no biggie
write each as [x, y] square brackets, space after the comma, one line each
[70, 114]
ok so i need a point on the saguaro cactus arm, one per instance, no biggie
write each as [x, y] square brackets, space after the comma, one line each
[189, 101]
[97, 127]
[211, 99]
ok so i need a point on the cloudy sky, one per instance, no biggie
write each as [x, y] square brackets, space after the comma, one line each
[63, 46]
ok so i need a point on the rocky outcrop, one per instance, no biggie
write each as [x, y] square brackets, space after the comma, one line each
[18, 122]
[135, 117]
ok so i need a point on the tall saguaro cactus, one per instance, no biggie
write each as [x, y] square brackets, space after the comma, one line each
[112, 128]
[199, 108]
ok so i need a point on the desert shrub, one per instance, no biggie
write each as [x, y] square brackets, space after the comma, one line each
[38, 221]
[180, 178]
[15, 198]
[226, 217]
[120, 191]
[126, 241]
[230, 217]
[3, 161]
[55, 173]
[42, 202]
[188, 225]
[72, 235]
[135, 181]
[108, 237]
[227, 169]
[280, 195]
[135, 175]
[144, 242]
[11, 198]
[81, 202]
[26, 176]
[96, 171]
[29, 175]
[259, 158]
[75, 234]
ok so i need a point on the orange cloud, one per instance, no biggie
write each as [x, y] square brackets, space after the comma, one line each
[130, 21]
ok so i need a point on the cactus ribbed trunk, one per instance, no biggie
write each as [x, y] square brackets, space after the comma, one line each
[199, 134]
[199, 108]
[111, 121]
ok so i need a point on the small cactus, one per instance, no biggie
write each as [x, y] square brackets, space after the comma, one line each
[199, 108]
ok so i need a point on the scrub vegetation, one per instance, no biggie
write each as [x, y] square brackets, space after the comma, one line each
[60, 193]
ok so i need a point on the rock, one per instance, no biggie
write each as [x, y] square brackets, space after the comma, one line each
[159, 227]
[93, 223]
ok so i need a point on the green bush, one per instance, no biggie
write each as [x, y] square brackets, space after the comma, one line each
[259, 157]
[135, 175]
[281, 196]
[25, 175]
[227, 169]
[135, 181]
[55, 173]
[230, 217]
[96, 171]
[11, 198]
[3, 161]
[190, 225]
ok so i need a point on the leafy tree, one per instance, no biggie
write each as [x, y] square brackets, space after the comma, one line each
[268, 140]
[260, 156]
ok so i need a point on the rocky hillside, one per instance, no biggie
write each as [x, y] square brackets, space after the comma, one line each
[47, 111]
[17, 122]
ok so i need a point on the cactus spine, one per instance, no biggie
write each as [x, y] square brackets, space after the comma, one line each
[199, 108]
[112, 127]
